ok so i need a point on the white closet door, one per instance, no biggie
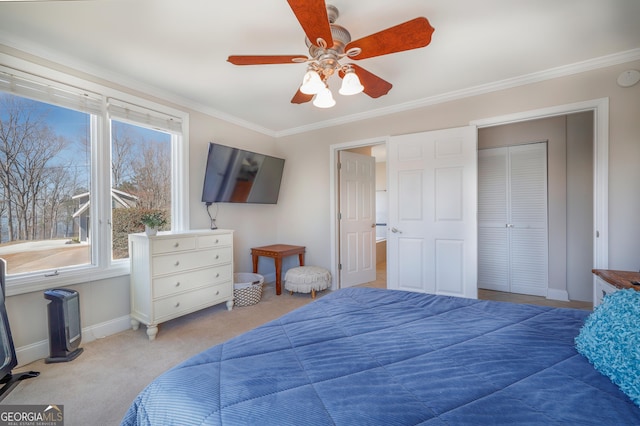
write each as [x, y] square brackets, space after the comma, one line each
[493, 237]
[513, 253]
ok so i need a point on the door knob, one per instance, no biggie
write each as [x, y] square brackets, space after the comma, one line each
[396, 230]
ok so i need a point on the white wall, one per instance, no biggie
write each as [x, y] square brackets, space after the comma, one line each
[302, 215]
[310, 153]
[254, 224]
[579, 205]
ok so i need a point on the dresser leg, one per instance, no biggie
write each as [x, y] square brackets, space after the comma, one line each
[152, 331]
[135, 324]
[229, 305]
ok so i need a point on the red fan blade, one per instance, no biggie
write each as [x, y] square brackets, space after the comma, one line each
[266, 60]
[409, 35]
[312, 15]
[301, 98]
[374, 86]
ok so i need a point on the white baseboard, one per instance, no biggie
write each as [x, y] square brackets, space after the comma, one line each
[554, 294]
[39, 350]
[271, 277]
[33, 352]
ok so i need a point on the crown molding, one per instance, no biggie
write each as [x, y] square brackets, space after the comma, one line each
[73, 64]
[563, 71]
[115, 78]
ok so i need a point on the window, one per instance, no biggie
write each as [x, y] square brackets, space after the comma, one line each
[45, 165]
[77, 169]
[140, 180]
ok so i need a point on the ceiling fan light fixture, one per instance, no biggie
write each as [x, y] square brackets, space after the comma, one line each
[311, 83]
[324, 99]
[350, 84]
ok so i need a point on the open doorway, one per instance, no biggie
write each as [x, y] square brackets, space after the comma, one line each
[535, 202]
[599, 188]
[573, 280]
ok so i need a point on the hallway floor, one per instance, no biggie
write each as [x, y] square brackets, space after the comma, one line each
[381, 282]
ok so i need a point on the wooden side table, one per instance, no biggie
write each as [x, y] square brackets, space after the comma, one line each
[277, 252]
[609, 281]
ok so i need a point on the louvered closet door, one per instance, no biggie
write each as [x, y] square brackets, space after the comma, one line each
[512, 219]
[493, 238]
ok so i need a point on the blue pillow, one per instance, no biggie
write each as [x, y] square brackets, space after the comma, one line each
[610, 340]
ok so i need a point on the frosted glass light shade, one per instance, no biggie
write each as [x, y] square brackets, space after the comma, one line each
[324, 99]
[311, 83]
[350, 84]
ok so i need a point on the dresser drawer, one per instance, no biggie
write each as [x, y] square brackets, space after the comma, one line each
[181, 304]
[172, 284]
[207, 241]
[178, 262]
[171, 245]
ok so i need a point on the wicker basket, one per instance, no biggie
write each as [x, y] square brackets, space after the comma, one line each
[247, 288]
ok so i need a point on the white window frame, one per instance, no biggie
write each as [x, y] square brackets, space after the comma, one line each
[177, 124]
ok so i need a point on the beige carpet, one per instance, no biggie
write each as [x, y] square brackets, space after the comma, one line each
[98, 387]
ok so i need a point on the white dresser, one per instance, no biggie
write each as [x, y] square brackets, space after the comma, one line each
[174, 274]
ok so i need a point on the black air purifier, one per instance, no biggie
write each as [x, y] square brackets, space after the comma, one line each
[65, 332]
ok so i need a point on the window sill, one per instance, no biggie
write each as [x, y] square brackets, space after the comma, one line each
[38, 282]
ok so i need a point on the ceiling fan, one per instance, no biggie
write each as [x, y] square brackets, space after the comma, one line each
[329, 43]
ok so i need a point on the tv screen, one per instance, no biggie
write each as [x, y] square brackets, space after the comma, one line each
[235, 175]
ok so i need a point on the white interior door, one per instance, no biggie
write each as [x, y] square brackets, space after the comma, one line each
[512, 219]
[357, 222]
[432, 243]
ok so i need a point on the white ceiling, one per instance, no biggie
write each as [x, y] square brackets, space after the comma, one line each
[178, 49]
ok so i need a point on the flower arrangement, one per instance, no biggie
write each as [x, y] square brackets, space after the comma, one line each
[153, 219]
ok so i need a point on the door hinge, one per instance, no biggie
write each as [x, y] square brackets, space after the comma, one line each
[339, 266]
[340, 216]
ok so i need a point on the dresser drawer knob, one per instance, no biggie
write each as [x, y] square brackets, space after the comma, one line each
[178, 284]
[217, 256]
[217, 292]
[217, 274]
[177, 263]
[176, 245]
[177, 304]
[217, 241]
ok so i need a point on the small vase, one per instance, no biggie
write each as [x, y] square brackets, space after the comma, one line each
[150, 231]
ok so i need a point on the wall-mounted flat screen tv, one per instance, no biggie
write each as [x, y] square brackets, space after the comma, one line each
[235, 175]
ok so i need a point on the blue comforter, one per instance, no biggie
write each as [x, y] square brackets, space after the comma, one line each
[379, 357]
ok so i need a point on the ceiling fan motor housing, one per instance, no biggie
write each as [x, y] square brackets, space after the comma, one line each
[327, 57]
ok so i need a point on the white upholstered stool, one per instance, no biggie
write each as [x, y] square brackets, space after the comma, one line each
[307, 279]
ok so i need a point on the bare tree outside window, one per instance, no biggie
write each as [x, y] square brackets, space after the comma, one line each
[45, 190]
[41, 169]
[141, 178]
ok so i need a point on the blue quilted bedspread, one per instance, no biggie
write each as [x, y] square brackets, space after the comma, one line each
[379, 357]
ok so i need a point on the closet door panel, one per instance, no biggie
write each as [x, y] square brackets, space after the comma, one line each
[528, 185]
[528, 217]
[528, 261]
[493, 237]
[493, 259]
[492, 185]
[512, 219]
